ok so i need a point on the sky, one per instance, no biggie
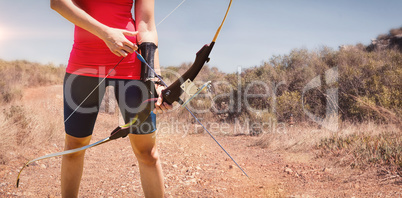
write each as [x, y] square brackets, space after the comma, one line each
[254, 32]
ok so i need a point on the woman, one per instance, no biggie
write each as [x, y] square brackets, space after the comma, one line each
[105, 37]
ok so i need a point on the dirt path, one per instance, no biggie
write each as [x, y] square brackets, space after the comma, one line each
[194, 166]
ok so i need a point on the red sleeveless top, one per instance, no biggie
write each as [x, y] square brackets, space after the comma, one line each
[90, 56]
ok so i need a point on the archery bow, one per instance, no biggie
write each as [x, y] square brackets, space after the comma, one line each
[171, 94]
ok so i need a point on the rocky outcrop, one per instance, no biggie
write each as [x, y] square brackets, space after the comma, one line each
[392, 40]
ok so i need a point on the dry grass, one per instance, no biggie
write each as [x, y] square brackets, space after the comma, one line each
[17, 75]
[356, 145]
[365, 145]
[28, 127]
[301, 137]
[26, 124]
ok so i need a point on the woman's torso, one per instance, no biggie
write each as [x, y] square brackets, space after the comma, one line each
[90, 56]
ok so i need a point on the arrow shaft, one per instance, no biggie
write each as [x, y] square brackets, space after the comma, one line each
[210, 134]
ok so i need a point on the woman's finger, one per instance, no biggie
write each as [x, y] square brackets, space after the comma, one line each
[157, 110]
[127, 42]
[116, 52]
[128, 49]
[123, 53]
[130, 33]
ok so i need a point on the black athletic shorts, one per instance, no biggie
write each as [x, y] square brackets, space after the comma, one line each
[81, 107]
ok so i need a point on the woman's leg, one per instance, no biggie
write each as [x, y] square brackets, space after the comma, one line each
[130, 95]
[145, 149]
[72, 166]
[79, 124]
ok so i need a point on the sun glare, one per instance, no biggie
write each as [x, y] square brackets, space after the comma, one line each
[2, 33]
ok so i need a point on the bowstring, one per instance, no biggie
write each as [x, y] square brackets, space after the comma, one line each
[93, 90]
[104, 78]
[170, 13]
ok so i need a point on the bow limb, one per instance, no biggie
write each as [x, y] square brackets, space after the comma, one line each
[60, 154]
[119, 132]
[173, 92]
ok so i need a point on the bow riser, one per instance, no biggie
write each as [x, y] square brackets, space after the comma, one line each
[173, 92]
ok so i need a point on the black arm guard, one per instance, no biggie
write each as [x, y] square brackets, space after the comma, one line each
[147, 50]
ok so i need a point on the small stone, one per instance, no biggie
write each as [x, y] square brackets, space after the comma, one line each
[288, 170]
[326, 170]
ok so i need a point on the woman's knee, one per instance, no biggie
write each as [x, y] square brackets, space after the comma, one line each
[147, 156]
[73, 143]
[144, 147]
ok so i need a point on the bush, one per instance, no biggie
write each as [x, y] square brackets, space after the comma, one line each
[367, 85]
[366, 149]
[16, 75]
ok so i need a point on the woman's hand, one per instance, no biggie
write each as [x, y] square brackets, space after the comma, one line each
[117, 42]
[161, 106]
[114, 38]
